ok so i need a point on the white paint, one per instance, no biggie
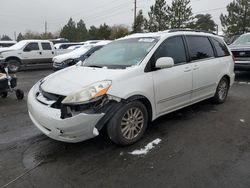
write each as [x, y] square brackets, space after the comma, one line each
[242, 120]
[147, 148]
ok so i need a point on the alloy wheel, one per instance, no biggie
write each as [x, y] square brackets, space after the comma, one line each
[132, 123]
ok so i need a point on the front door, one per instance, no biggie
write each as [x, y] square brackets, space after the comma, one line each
[173, 85]
[31, 54]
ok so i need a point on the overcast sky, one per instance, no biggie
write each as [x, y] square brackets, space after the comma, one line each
[23, 15]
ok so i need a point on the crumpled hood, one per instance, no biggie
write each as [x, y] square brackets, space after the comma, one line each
[237, 47]
[75, 78]
[71, 55]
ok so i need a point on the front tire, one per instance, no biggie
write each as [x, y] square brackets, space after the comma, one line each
[129, 123]
[13, 66]
[221, 91]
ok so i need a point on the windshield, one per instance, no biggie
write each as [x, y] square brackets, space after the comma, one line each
[243, 39]
[19, 45]
[122, 53]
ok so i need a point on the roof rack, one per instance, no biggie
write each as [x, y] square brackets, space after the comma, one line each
[190, 30]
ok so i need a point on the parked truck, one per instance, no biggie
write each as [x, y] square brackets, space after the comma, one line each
[29, 54]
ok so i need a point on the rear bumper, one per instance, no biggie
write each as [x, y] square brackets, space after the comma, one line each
[242, 66]
[48, 120]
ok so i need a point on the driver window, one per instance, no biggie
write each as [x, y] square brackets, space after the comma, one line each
[31, 47]
[172, 47]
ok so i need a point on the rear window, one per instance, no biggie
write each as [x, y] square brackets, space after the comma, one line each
[200, 47]
[46, 46]
[220, 47]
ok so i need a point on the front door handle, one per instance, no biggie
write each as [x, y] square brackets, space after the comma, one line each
[196, 67]
[187, 69]
[40, 53]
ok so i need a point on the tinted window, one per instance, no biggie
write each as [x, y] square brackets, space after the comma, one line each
[173, 47]
[220, 47]
[32, 46]
[46, 46]
[200, 47]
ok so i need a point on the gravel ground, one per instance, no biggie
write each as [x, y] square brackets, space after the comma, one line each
[204, 145]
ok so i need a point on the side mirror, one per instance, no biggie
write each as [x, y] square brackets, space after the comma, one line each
[164, 62]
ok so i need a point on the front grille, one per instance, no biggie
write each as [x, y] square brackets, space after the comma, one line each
[50, 96]
[241, 53]
[51, 99]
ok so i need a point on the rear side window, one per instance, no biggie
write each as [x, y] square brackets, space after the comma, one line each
[200, 47]
[172, 47]
[46, 46]
[220, 47]
[33, 46]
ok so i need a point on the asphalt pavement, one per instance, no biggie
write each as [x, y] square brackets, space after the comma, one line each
[202, 146]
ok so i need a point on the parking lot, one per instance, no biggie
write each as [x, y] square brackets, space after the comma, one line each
[204, 145]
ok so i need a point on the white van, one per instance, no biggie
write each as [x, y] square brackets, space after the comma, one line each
[131, 82]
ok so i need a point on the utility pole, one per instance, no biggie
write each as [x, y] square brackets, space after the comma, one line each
[15, 35]
[135, 10]
[46, 27]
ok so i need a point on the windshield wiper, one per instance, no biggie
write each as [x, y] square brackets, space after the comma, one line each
[94, 66]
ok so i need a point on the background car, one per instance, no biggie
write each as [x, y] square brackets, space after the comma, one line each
[29, 54]
[65, 45]
[4, 44]
[241, 51]
[80, 54]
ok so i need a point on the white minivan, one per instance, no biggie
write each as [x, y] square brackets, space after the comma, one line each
[131, 82]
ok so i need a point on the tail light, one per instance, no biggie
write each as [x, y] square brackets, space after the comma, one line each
[233, 58]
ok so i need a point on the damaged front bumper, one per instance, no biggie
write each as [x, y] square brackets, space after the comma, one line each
[74, 128]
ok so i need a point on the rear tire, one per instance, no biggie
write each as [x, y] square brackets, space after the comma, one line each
[128, 124]
[221, 91]
[13, 65]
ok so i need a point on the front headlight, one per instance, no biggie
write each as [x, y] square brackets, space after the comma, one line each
[88, 93]
[68, 61]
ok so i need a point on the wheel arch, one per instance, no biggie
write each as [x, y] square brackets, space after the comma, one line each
[13, 58]
[144, 100]
[227, 77]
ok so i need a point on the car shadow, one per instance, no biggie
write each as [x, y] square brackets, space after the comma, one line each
[242, 76]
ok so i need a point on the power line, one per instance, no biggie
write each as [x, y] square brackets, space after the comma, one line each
[92, 11]
[46, 27]
[209, 10]
[102, 13]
